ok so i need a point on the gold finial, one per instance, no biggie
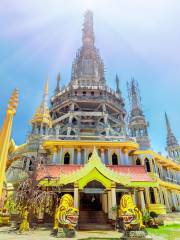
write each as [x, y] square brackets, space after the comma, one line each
[13, 101]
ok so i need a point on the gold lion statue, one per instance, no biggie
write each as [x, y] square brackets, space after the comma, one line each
[129, 212]
[65, 213]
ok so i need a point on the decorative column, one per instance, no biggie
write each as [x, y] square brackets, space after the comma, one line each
[174, 199]
[105, 203]
[156, 195]
[126, 159]
[76, 195]
[109, 205]
[140, 199]
[161, 197]
[102, 155]
[54, 155]
[60, 156]
[133, 196]
[78, 155]
[120, 157]
[167, 200]
[85, 156]
[113, 195]
[146, 190]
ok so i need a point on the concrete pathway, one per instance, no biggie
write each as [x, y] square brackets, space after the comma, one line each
[44, 234]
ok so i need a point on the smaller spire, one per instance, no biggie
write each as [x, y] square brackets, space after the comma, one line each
[42, 112]
[171, 139]
[118, 91]
[58, 79]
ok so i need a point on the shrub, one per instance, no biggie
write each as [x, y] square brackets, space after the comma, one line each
[153, 215]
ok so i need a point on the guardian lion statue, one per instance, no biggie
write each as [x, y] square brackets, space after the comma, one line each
[130, 214]
[66, 215]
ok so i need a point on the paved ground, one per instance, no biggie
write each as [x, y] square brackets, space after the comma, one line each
[44, 234]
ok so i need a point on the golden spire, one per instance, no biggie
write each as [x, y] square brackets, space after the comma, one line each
[42, 112]
[6, 135]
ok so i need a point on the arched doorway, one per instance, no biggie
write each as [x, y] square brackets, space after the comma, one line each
[91, 196]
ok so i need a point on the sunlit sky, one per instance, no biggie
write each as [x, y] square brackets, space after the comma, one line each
[136, 38]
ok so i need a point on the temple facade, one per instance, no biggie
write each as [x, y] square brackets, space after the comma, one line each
[88, 147]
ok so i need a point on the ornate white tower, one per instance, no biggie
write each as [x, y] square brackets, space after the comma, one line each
[137, 123]
[172, 147]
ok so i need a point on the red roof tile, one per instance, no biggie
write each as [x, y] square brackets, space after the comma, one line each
[137, 173]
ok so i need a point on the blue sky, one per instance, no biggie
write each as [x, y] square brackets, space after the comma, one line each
[135, 37]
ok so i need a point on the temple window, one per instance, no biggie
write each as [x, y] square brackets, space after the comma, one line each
[152, 196]
[138, 162]
[147, 164]
[92, 93]
[84, 93]
[30, 165]
[89, 155]
[114, 159]
[74, 121]
[67, 158]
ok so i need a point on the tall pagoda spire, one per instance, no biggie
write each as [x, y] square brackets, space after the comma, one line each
[87, 67]
[171, 139]
[88, 33]
[137, 123]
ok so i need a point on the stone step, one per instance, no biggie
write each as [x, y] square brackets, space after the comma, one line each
[95, 226]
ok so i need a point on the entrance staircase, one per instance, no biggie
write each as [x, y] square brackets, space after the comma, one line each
[93, 220]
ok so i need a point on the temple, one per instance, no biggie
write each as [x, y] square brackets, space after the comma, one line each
[91, 151]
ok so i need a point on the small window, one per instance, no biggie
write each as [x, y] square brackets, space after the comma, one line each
[84, 93]
[30, 165]
[147, 164]
[138, 162]
[92, 93]
[89, 155]
[114, 159]
[67, 158]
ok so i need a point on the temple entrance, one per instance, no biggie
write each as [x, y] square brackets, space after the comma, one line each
[91, 215]
[90, 202]
[91, 197]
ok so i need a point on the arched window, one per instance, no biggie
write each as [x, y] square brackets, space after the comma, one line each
[89, 155]
[30, 165]
[147, 164]
[152, 197]
[114, 159]
[67, 158]
[138, 162]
